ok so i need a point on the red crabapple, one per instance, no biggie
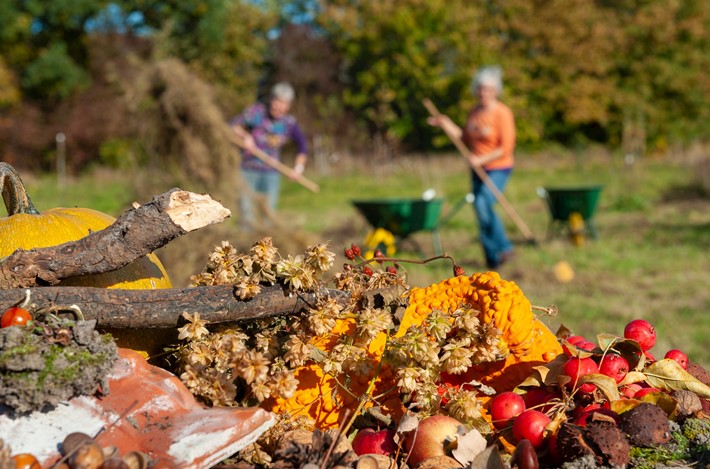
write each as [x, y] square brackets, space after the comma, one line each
[504, 407]
[678, 356]
[642, 332]
[530, 425]
[575, 368]
[615, 366]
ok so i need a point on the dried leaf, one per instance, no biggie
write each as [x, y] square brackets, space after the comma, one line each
[545, 375]
[669, 376]
[469, 445]
[605, 384]
[632, 377]
[408, 422]
[489, 459]
[563, 331]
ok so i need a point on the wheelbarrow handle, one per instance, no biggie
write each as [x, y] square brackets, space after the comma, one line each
[481, 173]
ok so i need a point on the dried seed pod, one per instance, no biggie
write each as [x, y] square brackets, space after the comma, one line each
[646, 425]
[610, 442]
[571, 443]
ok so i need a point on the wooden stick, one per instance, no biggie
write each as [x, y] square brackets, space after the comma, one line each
[163, 308]
[277, 165]
[484, 177]
[137, 232]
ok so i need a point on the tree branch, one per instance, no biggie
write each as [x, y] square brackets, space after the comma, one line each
[163, 308]
[137, 232]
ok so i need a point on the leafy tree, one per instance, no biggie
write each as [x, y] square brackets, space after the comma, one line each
[38, 36]
[54, 75]
[662, 68]
[395, 53]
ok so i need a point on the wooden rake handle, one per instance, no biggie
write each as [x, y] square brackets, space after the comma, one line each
[481, 173]
[277, 165]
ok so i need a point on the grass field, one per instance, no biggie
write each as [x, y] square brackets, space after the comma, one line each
[650, 260]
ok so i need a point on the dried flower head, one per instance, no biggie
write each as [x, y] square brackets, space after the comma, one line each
[195, 327]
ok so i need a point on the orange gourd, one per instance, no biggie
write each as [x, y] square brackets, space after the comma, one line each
[525, 343]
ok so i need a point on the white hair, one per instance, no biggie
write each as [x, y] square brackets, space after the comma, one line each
[282, 91]
[490, 76]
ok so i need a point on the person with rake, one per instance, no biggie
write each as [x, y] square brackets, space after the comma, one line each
[489, 134]
[263, 129]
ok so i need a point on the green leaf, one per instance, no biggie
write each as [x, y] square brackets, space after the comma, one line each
[669, 376]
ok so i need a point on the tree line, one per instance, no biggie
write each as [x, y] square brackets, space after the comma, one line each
[127, 78]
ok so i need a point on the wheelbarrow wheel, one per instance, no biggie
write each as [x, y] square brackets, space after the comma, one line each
[381, 239]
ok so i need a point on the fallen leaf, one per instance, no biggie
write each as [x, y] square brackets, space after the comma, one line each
[408, 422]
[605, 384]
[669, 376]
[489, 459]
[470, 445]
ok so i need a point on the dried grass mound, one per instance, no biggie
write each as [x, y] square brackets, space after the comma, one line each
[183, 128]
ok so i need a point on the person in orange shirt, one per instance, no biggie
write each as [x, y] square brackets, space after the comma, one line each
[489, 133]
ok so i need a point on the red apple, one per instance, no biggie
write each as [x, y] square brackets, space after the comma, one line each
[614, 366]
[369, 441]
[535, 397]
[630, 390]
[643, 391]
[504, 407]
[642, 332]
[431, 438]
[575, 368]
[678, 356]
[530, 425]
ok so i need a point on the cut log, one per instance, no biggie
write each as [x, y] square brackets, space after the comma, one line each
[137, 232]
[163, 308]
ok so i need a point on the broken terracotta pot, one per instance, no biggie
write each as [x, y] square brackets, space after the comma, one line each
[147, 409]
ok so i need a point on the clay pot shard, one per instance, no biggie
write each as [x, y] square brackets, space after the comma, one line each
[148, 410]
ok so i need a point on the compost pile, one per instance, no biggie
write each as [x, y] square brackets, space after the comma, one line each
[462, 373]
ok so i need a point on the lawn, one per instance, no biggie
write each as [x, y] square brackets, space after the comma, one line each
[649, 261]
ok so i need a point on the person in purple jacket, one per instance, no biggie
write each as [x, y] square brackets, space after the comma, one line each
[267, 127]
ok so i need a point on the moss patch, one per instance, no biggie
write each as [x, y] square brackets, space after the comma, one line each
[52, 360]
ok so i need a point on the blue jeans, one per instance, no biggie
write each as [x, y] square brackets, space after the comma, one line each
[492, 232]
[264, 183]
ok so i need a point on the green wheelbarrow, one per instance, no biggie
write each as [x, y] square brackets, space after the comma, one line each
[572, 207]
[394, 220]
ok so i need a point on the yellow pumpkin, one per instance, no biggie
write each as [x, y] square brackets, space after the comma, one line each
[26, 228]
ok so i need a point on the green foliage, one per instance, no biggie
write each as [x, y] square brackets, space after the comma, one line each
[54, 75]
[397, 53]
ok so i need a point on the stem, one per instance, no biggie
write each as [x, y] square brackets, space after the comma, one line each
[14, 193]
